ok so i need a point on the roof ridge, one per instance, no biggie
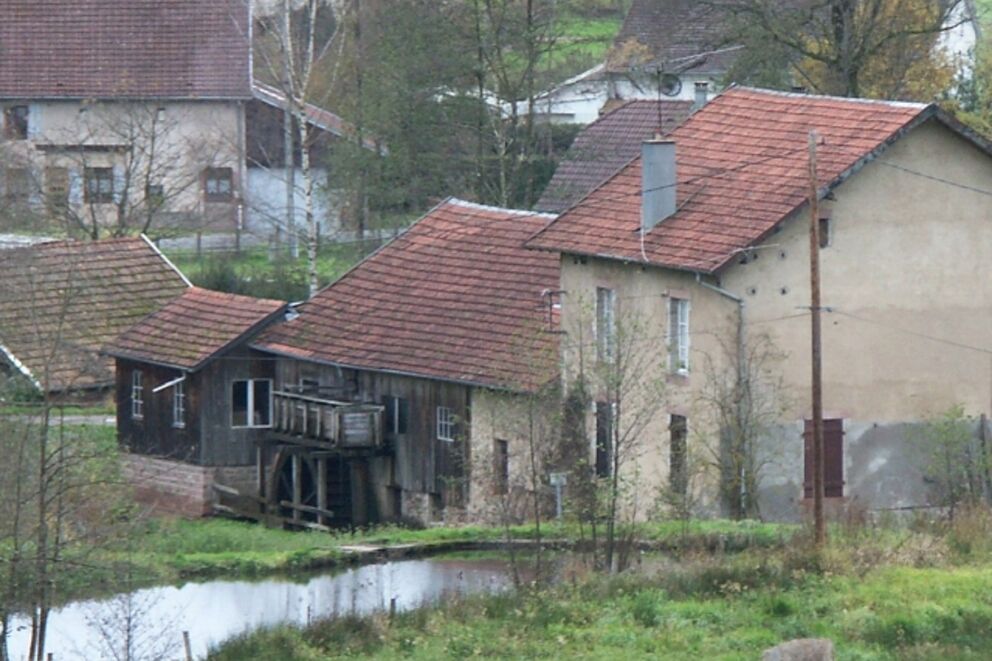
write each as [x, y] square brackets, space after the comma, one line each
[827, 97]
[486, 207]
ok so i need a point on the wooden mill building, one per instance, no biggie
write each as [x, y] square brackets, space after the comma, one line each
[379, 398]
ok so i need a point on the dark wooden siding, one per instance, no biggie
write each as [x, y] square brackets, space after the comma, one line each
[154, 433]
[222, 443]
[421, 463]
[208, 439]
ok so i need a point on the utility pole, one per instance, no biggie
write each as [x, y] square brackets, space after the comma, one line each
[817, 349]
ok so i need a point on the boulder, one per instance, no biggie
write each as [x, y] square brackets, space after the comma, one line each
[803, 649]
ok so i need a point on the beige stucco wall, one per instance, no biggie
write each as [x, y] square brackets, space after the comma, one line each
[908, 255]
[187, 137]
[517, 419]
[642, 295]
[908, 258]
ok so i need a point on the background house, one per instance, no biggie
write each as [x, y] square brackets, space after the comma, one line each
[61, 301]
[151, 120]
[713, 256]
[605, 146]
[664, 49]
[109, 122]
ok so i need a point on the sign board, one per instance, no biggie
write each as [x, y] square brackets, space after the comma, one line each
[558, 479]
[356, 428]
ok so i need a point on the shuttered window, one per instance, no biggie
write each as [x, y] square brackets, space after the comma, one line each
[833, 458]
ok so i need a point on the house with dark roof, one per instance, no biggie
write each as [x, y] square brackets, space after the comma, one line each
[151, 118]
[674, 49]
[605, 146]
[61, 301]
[192, 400]
[703, 241]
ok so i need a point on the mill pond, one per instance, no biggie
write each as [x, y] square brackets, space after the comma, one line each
[215, 611]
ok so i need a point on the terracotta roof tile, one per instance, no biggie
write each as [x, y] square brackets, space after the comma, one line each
[742, 167]
[607, 144]
[124, 48]
[60, 302]
[194, 327]
[456, 297]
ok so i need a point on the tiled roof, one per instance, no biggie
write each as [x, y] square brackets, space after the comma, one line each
[194, 327]
[682, 35]
[60, 302]
[605, 146]
[742, 167]
[317, 116]
[456, 298]
[124, 48]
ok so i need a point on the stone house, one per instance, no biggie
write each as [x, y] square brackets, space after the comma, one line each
[704, 240]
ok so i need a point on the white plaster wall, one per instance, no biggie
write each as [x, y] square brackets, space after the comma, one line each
[265, 193]
[188, 136]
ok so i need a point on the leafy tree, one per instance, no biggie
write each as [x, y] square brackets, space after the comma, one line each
[868, 48]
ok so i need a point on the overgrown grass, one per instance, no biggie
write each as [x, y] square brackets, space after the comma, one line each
[255, 272]
[728, 607]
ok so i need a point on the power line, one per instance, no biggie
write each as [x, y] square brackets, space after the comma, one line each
[905, 331]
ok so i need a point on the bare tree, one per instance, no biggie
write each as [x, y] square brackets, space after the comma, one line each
[743, 397]
[298, 54]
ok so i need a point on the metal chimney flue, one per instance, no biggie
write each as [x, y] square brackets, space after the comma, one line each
[657, 182]
[702, 94]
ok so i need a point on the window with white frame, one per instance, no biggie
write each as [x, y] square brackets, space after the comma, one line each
[445, 424]
[251, 403]
[137, 395]
[678, 335]
[179, 405]
[606, 324]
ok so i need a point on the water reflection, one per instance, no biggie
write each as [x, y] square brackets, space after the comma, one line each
[217, 610]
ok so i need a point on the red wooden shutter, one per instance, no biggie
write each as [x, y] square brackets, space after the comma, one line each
[833, 458]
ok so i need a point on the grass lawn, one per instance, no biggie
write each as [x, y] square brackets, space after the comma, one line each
[170, 549]
[728, 607]
[252, 271]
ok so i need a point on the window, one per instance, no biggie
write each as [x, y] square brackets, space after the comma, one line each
[501, 467]
[678, 473]
[606, 324]
[604, 439]
[833, 458]
[15, 123]
[217, 184]
[99, 185]
[137, 395]
[179, 405]
[824, 232]
[678, 335]
[17, 185]
[56, 189]
[251, 403]
[397, 414]
[445, 424]
[154, 196]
